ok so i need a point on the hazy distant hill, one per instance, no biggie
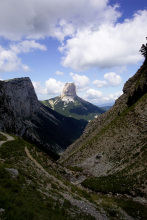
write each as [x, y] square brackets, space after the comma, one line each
[106, 108]
[71, 105]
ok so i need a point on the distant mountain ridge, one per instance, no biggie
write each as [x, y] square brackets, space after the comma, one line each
[71, 105]
[22, 114]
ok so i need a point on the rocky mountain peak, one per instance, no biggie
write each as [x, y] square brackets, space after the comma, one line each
[69, 91]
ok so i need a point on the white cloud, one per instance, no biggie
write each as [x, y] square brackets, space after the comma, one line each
[82, 81]
[111, 80]
[9, 61]
[59, 73]
[25, 67]
[35, 19]
[9, 58]
[51, 87]
[93, 94]
[107, 46]
[93, 40]
[27, 46]
[115, 96]
[97, 97]
[38, 19]
[39, 88]
[100, 83]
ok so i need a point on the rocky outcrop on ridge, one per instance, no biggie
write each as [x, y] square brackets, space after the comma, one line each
[69, 91]
[22, 114]
[71, 105]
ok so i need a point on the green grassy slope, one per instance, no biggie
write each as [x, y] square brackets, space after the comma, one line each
[47, 194]
[79, 109]
[31, 194]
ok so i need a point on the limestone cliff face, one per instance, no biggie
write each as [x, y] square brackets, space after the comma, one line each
[69, 90]
[22, 114]
[17, 100]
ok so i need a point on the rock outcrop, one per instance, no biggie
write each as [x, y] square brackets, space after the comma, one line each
[22, 114]
[18, 101]
[69, 91]
[71, 105]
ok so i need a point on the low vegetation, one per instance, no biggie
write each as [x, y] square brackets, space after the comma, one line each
[2, 137]
[33, 195]
[78, 109]
[116, 183]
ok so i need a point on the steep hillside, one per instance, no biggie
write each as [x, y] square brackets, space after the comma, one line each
[32, 186]
[22, 114]
[71, 105]
[113, 147]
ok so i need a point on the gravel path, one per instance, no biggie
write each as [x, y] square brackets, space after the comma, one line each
[44, 171]
[84, 206]
[9, 138]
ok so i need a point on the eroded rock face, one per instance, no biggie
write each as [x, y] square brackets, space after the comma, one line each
[69, 90]
[20, 95]
[17, 100]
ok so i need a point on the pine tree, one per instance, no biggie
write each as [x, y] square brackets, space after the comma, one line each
[143, 50]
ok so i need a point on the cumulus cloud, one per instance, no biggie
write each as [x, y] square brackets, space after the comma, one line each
[27, 46]
[82, 81]
[9, 58]
[51, 87]
[38, 19]
[111, 80]
[100, 83]
[109, 45]
[115, 95]
[9, 61]
[39, 88]
[97, 97]
[96, 40]
[92, 94]
[59, 73]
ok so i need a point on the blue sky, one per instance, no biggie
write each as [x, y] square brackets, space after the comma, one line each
[94, 43]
